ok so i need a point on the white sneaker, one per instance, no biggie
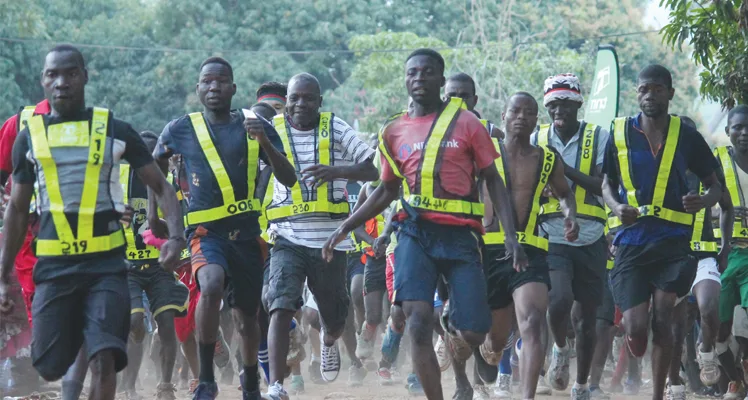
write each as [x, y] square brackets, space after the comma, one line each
[503, 388]
[542, 388]
[276, 392]
[709, 368]
[675, 392]
[356, 376]
[558, 372]
[480, 392]
[441, 354]
[364, 348]
[330, 365]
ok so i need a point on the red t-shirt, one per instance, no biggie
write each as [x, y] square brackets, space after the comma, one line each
[8, 134]
[469, 150]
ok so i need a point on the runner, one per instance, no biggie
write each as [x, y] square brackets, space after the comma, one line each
[64, 309]
[274, 94]
[525, 291]
[221, 150]
[167, 296]
[734, 163]
[577, 269]
[653, 253]
[705, 289]
[439, 225]
[463, 86]
[325, 152]
[375, 285]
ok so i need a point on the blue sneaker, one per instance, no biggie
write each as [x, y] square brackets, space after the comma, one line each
[205, 391]
[390, 345]
[414, 385]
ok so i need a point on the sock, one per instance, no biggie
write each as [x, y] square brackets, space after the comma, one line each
[580, 385]
[264, 359]
[505, 365]
[71, 390]
[206, 352]
[249, 380]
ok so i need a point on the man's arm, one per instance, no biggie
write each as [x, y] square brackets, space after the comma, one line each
[15, 222]
[161, 155]
[259, 129]
[591, 183]
[566, 200]
[164, 193]
[502, 205]
[363, 171]
[377, 202]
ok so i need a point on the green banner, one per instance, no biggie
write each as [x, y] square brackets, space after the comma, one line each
[602, 102]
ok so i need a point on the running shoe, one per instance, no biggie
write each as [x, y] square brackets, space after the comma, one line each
[364, 348]
[734, 391]
[596, 393]
[296, 386]
[314, 373]
[580, 392]
[709, 367]
[356, 376]
[480, 392]
[205, 391]
[276, 392]
[503, 388]
[330, 366]
[385, 376]
[542, 388]
[441, 354]
[166, 391]
[675, 392]
[558, 372]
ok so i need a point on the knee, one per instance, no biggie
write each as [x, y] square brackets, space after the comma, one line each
[473, 338]
[357, 296]
[603, 328]
[531, 325]
[709, 307]
[137, 328]
[420, 325]
[245, 324]
[166, 331]
[211, 284]
[102, 363]
[311, 317]
[397, 319]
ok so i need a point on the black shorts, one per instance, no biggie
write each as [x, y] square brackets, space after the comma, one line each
[666, 265]
[242, 260]
[164, 290]
[355, 267]
[581, 268]
[607, 309]
[501, 278]
[292, 264]
[74, 309]
[375, 275]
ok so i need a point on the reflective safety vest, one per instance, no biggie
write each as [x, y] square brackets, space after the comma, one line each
[23, 119]
[230, 205]
[698, 243]
[265, 202]
[488, 125]
[527, 236]
[83, 241]
[656, 209]
[135, 250]
[423, 196]
[610, 263]
[299, 206]
[725, 158]
[588, 206]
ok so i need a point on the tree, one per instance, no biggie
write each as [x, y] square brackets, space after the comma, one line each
[718, 32]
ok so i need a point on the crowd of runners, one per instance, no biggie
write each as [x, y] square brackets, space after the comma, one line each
[265, 228]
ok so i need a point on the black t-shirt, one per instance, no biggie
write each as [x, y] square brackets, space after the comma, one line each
[230, 140]
[126, 144]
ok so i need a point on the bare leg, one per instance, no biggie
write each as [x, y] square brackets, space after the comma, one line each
[103, 376]
[662, 341]
[584, 319]
[168, 336]
[278, 341]
[207, 317]
[72, 382]
[134, 352]
[531, 303]
[679, 328]
[420, 324]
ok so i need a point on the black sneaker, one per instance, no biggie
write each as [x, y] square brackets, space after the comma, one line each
[487, 372]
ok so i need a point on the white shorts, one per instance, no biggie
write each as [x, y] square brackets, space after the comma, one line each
[708, 269]
[309, 299]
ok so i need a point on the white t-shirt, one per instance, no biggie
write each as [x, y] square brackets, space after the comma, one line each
[312, 230]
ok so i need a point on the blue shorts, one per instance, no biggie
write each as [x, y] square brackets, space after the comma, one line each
[425, 251]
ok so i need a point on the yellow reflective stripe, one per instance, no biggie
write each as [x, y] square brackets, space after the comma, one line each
[610, 264]
[323, 203]
[709, 247]
[230, 205]
[731, 178]
[528, 235]
[434, 143]
[280, 126]
[96, 147]
[656, 208]
[23, 120]
[133, 252]
[619, 137]
[50, 247]
[668, 154]
[43, 155]
[544, 135]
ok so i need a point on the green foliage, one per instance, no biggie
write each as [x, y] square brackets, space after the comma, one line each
[718, 33]
[150, 75]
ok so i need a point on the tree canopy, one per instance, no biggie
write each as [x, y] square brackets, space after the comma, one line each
[143, 55]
